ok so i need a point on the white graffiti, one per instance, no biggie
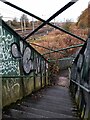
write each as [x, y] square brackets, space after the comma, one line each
[37, 65]
[29, 62]
[6, 39]
[4, 35]
[12, 89]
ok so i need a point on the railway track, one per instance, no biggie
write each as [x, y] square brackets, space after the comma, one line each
[41, 32]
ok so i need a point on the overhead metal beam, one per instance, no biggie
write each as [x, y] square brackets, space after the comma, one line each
[59, 28]
[51, 18]
[73, 46]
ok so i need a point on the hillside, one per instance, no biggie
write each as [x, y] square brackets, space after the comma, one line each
[83, 19]
[57, 40]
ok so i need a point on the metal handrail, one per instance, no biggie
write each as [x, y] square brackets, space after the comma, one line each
[18, 76]
[61, 59]
[81, 86]
[45, 48]
[62, 49]
[77, 83]
[15, 76]
[80, 80]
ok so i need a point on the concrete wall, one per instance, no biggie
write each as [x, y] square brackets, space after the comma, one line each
[14, 89]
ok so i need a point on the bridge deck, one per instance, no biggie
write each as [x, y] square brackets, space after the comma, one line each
[51, 102]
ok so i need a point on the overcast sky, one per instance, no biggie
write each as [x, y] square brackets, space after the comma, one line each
[44, 9]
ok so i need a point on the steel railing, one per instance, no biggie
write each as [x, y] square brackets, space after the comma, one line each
[80, 80]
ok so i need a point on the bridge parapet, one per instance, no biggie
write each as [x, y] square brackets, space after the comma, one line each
[22, 68]
[80, 80]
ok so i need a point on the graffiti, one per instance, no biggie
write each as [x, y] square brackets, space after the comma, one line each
[24, 54]
[18, 60]
[30, 60]
[6, 39]
[5, 35]
[11, 88]
[27, 62]
[15, 53]
[46, 67]
[37, 64]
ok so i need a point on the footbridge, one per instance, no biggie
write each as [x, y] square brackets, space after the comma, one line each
[26, 88]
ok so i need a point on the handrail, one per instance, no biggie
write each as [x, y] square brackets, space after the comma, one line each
[45, 48]
[84, 88]
[60, 59]
[80, 80]
[62, 49]
[15, 76]
[82, 52]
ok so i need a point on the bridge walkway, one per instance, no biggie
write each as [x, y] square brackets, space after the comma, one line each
[50, 102]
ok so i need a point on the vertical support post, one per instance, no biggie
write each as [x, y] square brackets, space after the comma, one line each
[22, 81]
[0, 97]
[87, 112]
[34, 77]
[88, 94]
[45, 74]
[89, 20]
[34, 81]
[48, 75]
[41, 72]
[0, 74]
[89, 105]
[89, 59]
[21, 73]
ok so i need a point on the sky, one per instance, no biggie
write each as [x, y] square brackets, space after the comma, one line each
[44, 9]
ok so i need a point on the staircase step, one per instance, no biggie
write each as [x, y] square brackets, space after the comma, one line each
[41, 112]
[14, 113]
[52, 102]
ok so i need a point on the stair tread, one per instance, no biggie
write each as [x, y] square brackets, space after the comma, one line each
[52, 102]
